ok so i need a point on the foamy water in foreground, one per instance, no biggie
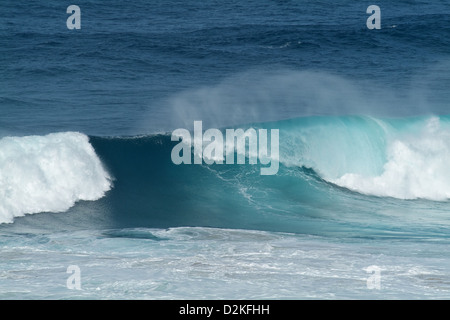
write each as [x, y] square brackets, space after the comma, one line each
[204, 263]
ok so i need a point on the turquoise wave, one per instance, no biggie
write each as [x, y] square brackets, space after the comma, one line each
[352, 176]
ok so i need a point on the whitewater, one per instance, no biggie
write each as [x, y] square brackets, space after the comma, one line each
[48, 174]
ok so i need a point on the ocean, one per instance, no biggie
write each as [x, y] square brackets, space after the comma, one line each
[92, 205]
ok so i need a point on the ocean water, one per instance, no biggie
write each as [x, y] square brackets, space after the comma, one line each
[93, 207]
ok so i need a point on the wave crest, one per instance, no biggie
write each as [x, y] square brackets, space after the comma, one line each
[417, 166]
[48, 174]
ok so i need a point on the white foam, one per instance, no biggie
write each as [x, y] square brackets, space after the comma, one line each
[418, 166]
[48, 174]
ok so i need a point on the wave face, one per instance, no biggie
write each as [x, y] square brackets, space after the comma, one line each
[48, 173]
[331, 169]
[343, 175]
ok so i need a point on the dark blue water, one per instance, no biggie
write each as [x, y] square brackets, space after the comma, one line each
[129, 61]
[364, 147]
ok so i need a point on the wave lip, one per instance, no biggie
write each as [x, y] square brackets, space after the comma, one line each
[402, 158]
[417, 166]
[48, 174]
